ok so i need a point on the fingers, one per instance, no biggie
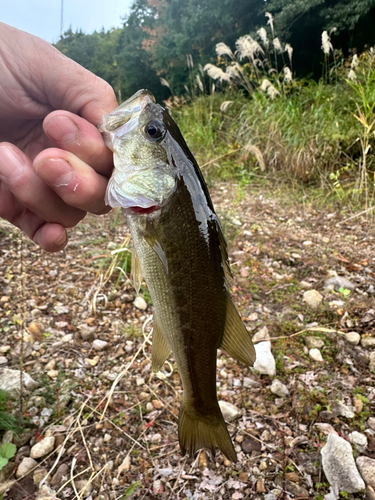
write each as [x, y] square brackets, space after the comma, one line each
[75, 182]
[76, 135]
[18, 175]
[50, 236]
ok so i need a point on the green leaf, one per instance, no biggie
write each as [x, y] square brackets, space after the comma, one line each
[7, 450]
[130, 490]
[3, 462]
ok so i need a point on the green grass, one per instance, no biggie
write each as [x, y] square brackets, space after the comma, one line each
[310, 136]
[8, 421]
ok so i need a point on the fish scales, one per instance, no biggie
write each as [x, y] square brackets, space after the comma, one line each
[181, 252]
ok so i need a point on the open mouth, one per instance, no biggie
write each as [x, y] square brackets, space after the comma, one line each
[142, 210]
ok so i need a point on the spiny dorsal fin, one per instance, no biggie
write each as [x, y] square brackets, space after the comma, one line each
[236, 339]
[160, 347]
[136, 271]
[224, 254]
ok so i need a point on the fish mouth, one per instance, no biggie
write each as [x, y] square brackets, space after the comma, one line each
[143, 210]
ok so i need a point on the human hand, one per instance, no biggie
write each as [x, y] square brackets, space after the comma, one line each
[54, 166]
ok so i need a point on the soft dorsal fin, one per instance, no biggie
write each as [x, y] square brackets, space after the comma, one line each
[136, 271]
[236, 339]
[160, 347]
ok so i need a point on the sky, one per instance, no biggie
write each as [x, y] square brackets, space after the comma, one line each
[43, 17]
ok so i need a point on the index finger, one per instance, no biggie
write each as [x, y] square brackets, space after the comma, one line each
[76, 135]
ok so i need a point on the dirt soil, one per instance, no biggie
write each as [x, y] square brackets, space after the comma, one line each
[115, 423]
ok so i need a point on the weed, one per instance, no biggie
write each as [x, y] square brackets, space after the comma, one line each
[8, 422]
[7, 451]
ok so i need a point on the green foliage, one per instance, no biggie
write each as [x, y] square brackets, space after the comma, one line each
[129, 492]
[7, 451]
[8, 422]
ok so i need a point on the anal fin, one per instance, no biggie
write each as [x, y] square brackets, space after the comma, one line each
[236, 339]
[160, 347]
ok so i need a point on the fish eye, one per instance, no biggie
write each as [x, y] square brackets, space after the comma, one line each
[154, 130]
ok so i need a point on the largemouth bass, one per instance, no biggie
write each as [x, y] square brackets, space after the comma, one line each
[181, 252]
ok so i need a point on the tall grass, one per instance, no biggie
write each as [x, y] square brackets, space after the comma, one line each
[316, 132]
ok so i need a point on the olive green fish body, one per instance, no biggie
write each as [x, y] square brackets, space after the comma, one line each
[183, 258]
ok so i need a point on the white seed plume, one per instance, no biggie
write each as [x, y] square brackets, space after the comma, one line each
[288, 77]
[190, 62]
[223, 50]
[164, 82]
[225, 105]
[277, 44]
[263, 36]
[216, 73]
[289, 49]
[267, 86]
[352, 76]
[326, 43]
[270, 20]
[199, 82]
[355, 62]
[248, 47]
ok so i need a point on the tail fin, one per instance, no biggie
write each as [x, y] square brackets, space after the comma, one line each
[196, 431]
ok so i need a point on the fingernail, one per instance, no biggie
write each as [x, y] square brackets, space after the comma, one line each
[61, 129]
[12, 163]
[61, 242]
[55, 171]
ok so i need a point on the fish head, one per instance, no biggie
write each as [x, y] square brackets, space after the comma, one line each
[143, 178]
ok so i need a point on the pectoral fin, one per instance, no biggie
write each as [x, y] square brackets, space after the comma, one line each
[236, 340]
[136, 271]
[151, 236]
[160, 347]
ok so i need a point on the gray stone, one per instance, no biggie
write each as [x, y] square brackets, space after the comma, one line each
[60, 475]
[279, 389]
[339, 466]
[368, 341]
[261, 335]
[371, 423]
[10, 380]
[39, 475]
[45, 446]
[140, 303]
[3, 360]
[8, 437]
[316, 355]
[353, 338]
[366, 467]
[45, 493]
[87, 332]
[27, 464]
[372, 362]
[264, 362]
[337, 282]
[358, 439]
[67, 338]
[229, 411]
[342, 410]
[84, 487]
[314, 342]
[99, 345]
[250, 383]
[312, 298]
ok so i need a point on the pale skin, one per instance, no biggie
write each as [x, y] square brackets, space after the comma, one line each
[54, 166]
